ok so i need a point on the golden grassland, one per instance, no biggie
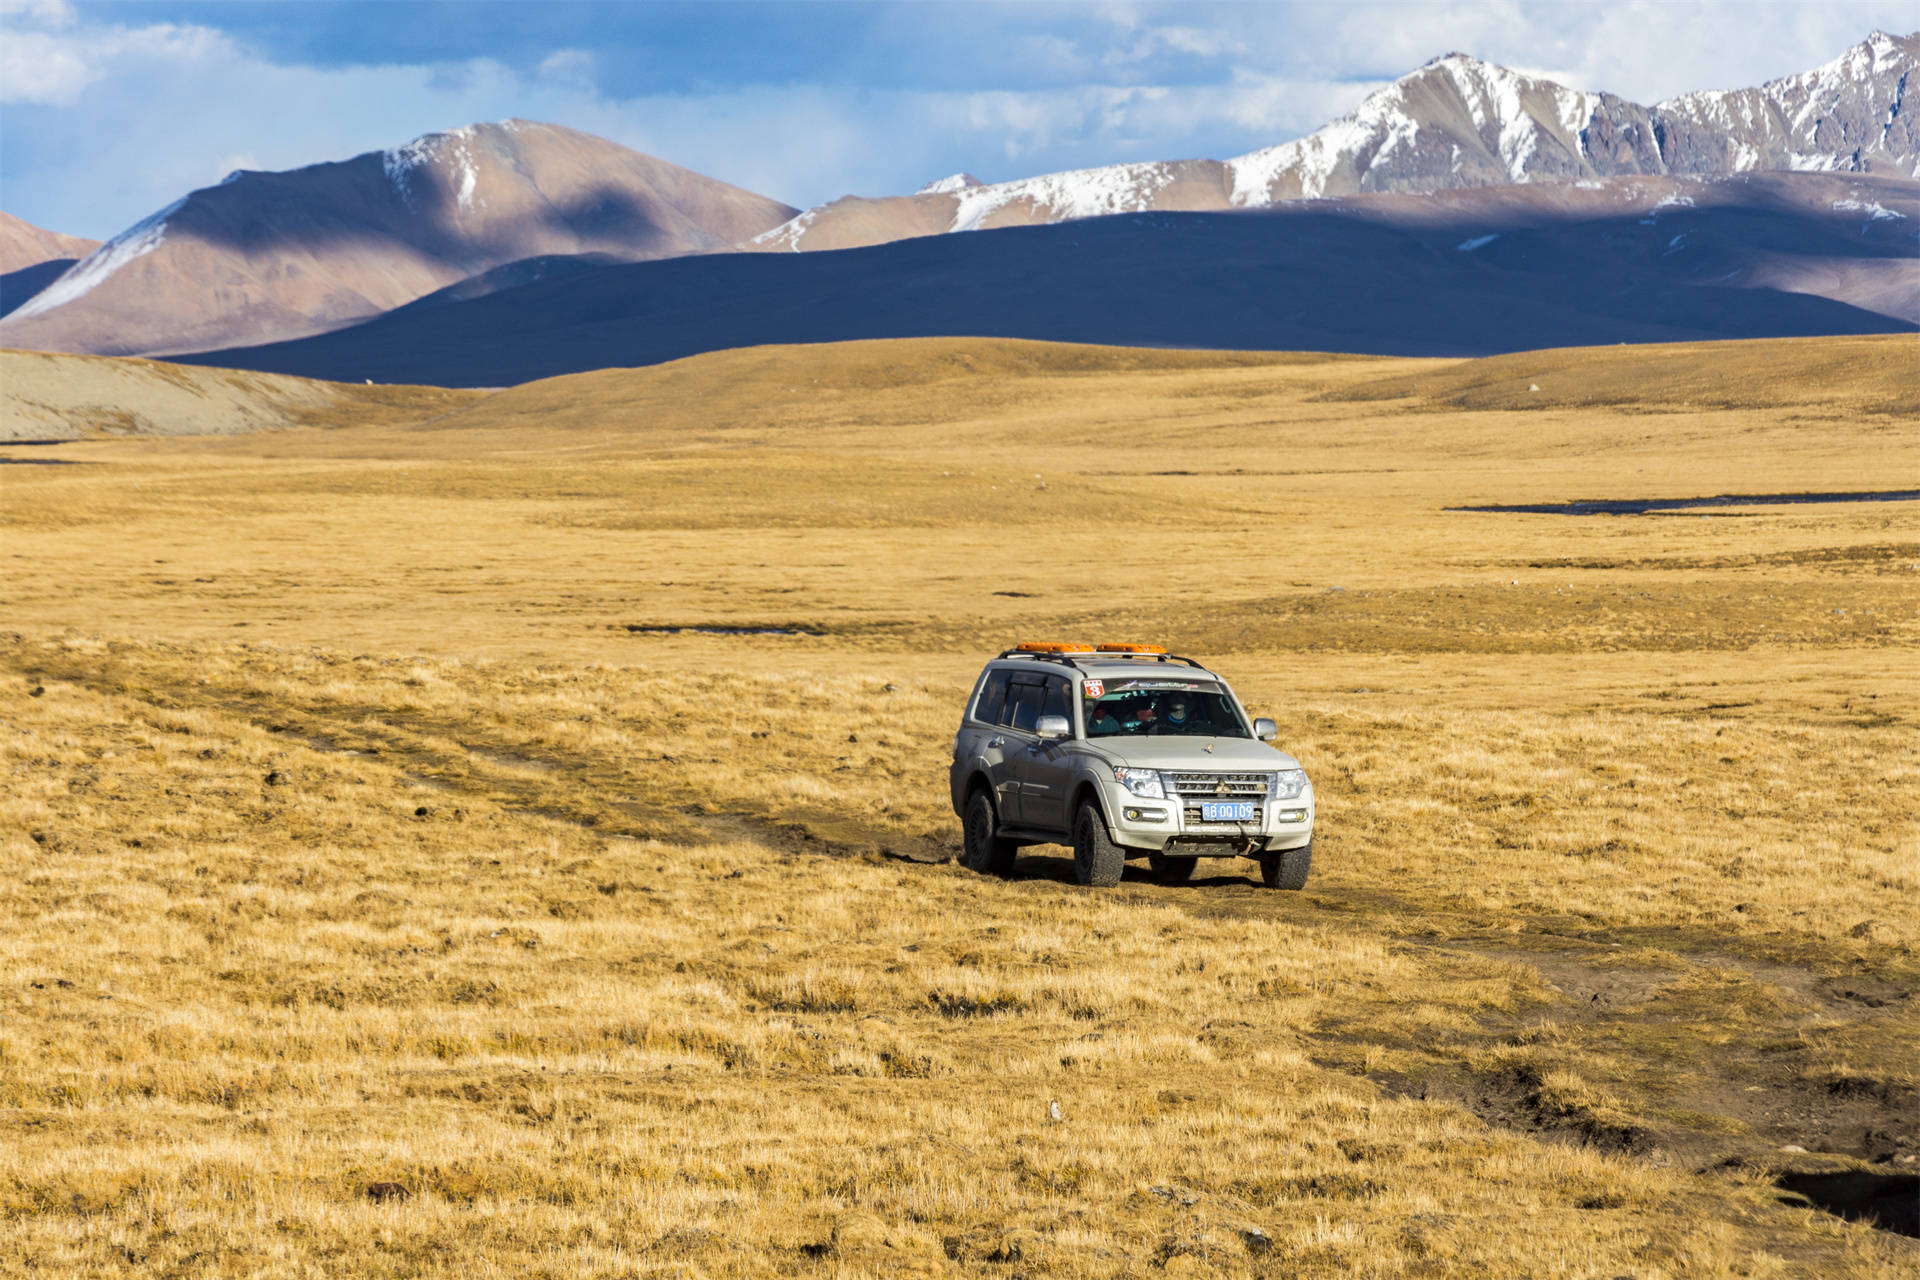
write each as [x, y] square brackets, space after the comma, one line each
[405, 868]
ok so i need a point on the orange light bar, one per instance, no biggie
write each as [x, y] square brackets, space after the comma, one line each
[1132, 648]
[1053, 646]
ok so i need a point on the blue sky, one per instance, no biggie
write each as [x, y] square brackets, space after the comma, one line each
[111, 110]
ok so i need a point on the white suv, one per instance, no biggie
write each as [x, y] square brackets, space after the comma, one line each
[1124, 751]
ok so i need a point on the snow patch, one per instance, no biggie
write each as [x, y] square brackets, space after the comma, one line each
[1804, 163]
[88, 274]
[1875, 211]
[949, 184]
[1077, 193]
[453, 147]
[1314, 159]
[1475, 242]
[789, 232]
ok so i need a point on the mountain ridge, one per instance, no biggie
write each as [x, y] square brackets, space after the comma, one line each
[453, 215]
[1455, 121]
[291, 253]
[1472, 271]
[24, 245]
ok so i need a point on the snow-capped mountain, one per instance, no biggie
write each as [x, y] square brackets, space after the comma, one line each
[284, 255]
[1455, 122]
[1850, 115]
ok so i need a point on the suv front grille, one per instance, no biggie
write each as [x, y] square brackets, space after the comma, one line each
[1196, 788]
[1220, 786]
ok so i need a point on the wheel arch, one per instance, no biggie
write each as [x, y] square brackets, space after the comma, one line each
[1086, 791]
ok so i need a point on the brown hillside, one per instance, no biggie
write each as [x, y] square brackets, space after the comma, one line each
[308, 250]
[59, 397]
[22, 244]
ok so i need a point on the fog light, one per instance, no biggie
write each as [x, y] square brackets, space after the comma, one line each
[1293, 815]
[1146, 815]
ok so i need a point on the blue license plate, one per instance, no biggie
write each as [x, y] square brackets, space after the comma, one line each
[1226, 811]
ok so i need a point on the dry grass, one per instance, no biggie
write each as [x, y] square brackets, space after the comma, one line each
[376, 902]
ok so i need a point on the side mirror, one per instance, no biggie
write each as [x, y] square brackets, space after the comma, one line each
[1265, 729]
[1053, 727]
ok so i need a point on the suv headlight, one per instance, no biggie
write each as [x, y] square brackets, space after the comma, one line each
[1141, 782]
[1289, 784]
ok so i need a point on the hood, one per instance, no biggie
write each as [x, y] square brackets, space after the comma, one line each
[1229, 754]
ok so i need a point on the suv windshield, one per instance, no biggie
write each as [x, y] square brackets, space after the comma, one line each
[1159, 708]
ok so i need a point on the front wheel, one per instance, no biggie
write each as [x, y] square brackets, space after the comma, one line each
[1287, 868]
[981, 849]
[1097, 860]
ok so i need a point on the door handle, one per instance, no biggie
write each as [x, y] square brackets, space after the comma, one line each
[997, 742]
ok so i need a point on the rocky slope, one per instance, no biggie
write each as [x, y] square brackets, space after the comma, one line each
[1456, 122]
[284, 255]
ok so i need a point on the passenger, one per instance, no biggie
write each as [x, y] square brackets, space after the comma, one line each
[1178, 712]
[1145, 718]
[1103, 721]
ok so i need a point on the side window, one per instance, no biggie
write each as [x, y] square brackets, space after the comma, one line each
[1023, 705]
[1059, 701]
[992, 697]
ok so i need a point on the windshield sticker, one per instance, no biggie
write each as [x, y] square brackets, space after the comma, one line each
[1192, 686]
[1095, 688]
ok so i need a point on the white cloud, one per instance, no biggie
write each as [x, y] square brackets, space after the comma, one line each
[46, 13]
[55, 68]
[34, 67]
[568, 66]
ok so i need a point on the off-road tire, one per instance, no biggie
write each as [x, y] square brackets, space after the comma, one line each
[980, 848]
[1097, 860]
[1172, 870]
[1286, 869]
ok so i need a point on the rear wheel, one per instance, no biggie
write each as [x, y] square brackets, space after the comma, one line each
[980, 848]
[1172, 870]
[1287, 868]
[1097, 860]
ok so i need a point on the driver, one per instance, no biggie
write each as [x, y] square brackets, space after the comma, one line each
[1179, 712]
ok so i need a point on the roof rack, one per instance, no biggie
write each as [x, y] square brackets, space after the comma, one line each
[1068, 655]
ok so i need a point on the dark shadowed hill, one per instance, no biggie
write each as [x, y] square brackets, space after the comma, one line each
[1473, 273]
